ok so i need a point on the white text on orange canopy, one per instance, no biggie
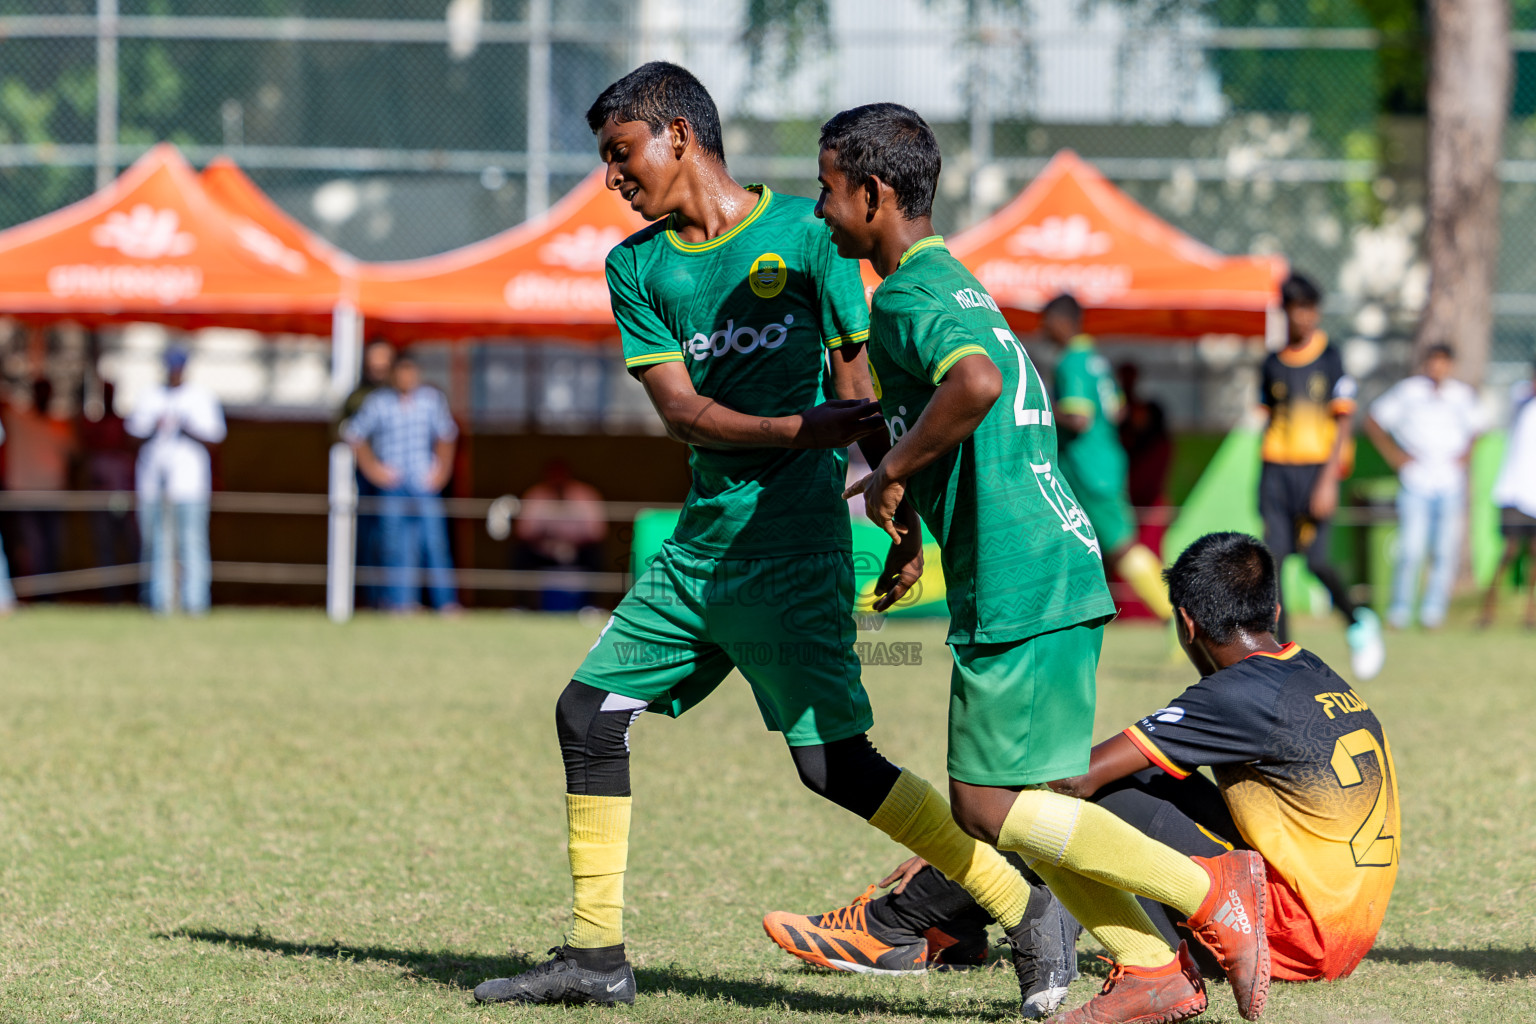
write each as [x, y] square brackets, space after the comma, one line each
[1027, 285]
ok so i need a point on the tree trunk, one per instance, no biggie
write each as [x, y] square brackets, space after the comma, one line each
[1469, 82]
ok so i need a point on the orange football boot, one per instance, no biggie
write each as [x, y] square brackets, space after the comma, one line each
[1230, 923]
[1145, 995]
[843, 940]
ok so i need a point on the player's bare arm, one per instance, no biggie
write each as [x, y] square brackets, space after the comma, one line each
[1112, 760]
[695, 419]
[904, 561]
[1070, 423]
[1325, 493]
[963, 399]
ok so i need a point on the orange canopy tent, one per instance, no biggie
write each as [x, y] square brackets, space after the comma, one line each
[1073, 231]
[154, 246]
[248, 206]
[542, 277]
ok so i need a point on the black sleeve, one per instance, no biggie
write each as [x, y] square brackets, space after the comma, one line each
[1217, 721]
[1267, 374]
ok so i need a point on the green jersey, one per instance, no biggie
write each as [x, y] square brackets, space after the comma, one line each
[1093, 460]
[1020, 558]
[751, 314]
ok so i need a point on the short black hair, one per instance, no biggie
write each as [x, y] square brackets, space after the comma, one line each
[1442, 349]
[658, 93]
[1227, 582]
[1063, 305]
[890, 142]
[1300, 290]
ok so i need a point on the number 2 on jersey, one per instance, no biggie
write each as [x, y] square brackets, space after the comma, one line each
[1022, 415]
[1369, 845]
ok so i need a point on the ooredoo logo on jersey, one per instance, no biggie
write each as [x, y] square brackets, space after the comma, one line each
[743, 339]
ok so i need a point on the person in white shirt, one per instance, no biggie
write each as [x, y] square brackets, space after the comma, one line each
[1424, 427]
[1514, 492]
[175, 479]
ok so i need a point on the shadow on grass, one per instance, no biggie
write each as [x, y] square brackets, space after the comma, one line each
[1492, 964]
[460, 971]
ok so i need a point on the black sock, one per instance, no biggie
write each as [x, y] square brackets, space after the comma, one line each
[603, 959]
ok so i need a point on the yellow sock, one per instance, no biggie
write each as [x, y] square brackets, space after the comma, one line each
[1113, 916]
[916, 816]
[599, 837]
[1144, 572]
[1065, 832]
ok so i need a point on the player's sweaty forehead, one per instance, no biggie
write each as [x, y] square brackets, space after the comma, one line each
[615, 133]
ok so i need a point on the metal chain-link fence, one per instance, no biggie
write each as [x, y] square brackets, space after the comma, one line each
[399, 128]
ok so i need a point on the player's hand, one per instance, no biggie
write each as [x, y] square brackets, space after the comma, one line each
[882, 500]
[903, 568]
[1325, 495]
[838, 423]
[904, 873]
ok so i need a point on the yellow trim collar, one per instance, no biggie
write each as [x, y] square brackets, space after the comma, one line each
[931, 242]
[765, 197]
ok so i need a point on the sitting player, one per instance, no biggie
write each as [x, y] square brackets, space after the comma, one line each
[1305, 776]
[974, 449]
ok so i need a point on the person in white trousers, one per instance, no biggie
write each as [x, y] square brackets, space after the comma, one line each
[175, 478]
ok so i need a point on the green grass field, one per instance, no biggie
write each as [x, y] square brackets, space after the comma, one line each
[264, 817]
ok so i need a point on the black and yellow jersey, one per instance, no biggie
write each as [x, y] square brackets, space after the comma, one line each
[1306, 771]
[1304, 390]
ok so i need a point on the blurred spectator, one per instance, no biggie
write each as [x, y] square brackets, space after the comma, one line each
[561, 526]
[40, 448]
[378, 358]
[107, 452]
[404, 438]
[1147, 442]
[1514, 492]
[7, 595]
[1424, 426]
[175, 479]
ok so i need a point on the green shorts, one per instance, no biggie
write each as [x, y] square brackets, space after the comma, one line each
[1021, 713]
[1110, 513]
[786, 623]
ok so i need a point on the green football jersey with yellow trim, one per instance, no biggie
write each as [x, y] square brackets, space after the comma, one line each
[1020, 557]
[1085, 385]
[751, 314]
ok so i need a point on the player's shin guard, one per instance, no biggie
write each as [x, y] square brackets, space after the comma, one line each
[599, 849]
[1062, 831]
[1143, 570]
[917, 817]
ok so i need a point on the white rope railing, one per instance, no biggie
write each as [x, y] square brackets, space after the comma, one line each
[497, 514]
